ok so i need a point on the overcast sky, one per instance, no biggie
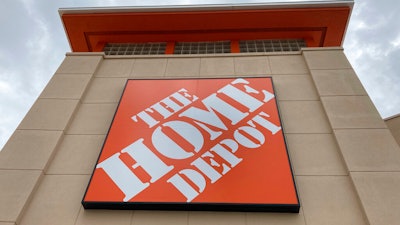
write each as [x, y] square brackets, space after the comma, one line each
[33, 44]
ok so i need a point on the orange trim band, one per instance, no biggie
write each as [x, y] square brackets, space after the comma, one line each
[170, 48]
[320, 27]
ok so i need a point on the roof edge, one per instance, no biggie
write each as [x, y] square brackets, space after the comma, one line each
[207, 7]
[392, 117]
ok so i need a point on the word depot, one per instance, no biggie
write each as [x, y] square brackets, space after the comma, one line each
[196, 126]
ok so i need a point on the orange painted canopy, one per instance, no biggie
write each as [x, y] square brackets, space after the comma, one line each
[320, 24]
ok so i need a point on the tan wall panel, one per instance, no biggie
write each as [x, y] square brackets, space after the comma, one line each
[326, 191]
[183, 67]
[218, 218]
[394, 126]
[49, 114]
[352, 112]
[160, 218]
[56, 200]
[288, 64]
[105, 90]
[80, 63]
[104, 217]
[379, 192]
[252, 65]
[303, 117]
[326, 58]
[115, 68]
[29, 149]
[6, 223]
[294, 87]
[369, 149]
[338, 82]
[149, 68]
[329, 200]
[93, 119]
[66, 86]
[363, 138]
[219, 66]
[77, 154]
[315, 154]
[16, 187]
[275, 218]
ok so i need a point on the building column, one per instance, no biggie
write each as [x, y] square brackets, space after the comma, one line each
[369, 150]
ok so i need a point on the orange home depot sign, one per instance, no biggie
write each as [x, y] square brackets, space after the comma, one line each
[195, 144]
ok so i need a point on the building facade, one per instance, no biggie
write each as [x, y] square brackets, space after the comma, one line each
[393, 124]
[344, 158]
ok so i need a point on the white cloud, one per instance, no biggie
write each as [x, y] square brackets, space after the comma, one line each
[396, 42]
[5, 87]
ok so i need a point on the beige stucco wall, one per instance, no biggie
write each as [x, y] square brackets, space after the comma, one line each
[345, 160]
[393, 123]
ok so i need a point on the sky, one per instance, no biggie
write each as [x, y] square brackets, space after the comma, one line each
[33, 44]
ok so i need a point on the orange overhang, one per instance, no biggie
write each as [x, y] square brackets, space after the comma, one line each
[321, 25]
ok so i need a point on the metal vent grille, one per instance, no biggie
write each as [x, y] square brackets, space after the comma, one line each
[135, 48]
[202, 47]
[271, 45]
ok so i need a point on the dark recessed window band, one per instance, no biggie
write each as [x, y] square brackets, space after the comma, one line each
[215, 47]
[271, 45]
[202, 47]
[153, 48]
